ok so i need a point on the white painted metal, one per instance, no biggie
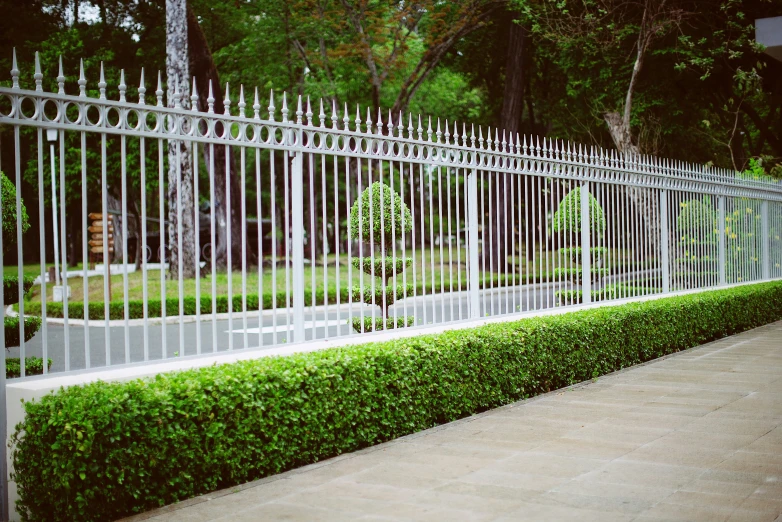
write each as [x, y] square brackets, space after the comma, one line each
[483, 196]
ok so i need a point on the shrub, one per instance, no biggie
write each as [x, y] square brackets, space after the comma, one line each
[11, 288]
[106, 450]
[32, 324]
[379, 215]
[567, 218]
[33, 366]
[8, 199]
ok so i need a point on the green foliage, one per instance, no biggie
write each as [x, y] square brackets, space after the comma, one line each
[381, 296]
[11, 288]
[32, 324]
[33, 366]
[109, 449]
[575, 252]
[8, 197]
[574, 274]
[379, 215]
[375, 325]
[384, 268]
[567, 218]
[573, 297]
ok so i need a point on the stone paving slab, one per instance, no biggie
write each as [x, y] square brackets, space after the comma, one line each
[693, 436]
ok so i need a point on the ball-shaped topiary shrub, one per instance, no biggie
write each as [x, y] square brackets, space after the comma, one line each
[567, 218]
[380, 216]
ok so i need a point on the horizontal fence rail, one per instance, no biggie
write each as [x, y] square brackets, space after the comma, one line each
[253, 231]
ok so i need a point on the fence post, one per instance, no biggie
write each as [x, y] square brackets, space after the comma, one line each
[3, 406]
[766, 251]
[297, 232]
[664, 246]
[586, 251]
[472, 243]
[721, 228]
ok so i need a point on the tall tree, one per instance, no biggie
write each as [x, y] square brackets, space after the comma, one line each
[180, 173]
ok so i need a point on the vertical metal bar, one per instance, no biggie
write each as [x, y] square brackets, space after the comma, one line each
[19, 256]
[229, 246]
[180, 234]
[586, 257]
[472, 244]
[297, 225]
[143, 253]
[243, 206]
[213, 243]
[162, 228]
[765, 250]
[197, 249]
[124, 202]
[42, 242]
[666, 267]
[106, 250]
[259, 213]
[721, 227]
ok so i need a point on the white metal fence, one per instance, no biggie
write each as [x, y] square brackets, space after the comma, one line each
[492, 226]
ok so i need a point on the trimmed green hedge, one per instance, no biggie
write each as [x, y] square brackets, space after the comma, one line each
[32, 324]
[106, 450]
[136, 307]
[33, 366]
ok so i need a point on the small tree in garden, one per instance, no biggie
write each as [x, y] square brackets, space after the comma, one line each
[379, 216]
[11, 293]
[698, 239]
[567, 219]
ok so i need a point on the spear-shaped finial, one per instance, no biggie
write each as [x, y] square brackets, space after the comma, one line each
[358, 118]
[439, 133]
[455, 134]
[102, 83]
[210, 100]
[496, 138]
[464, 134]
[346, 118]
[284, 107]
[524, 145]
[271, 108]
[334, 116]
[177, 94]
[379, 121]
[410, 127]
[518, 143]
[142, 91]
[309, 111]
[299, 112]
[322, 115]
[504, 143]
[194, 97]
[369, 121]
[122, 87]
[400, 127]
[159, 91]
[83, 80]
[38, 75]
[429, 130]
[256, 106]
[227, 101]
[447, 133]
[14, 72]
[472, 135]
[242, 104]
[420, 129]
[61, 79]
[390, 124]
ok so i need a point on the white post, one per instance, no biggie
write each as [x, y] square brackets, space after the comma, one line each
[766, 251]
[666, 262]
[721, 228]
[472, 243]
[297, 250]
[586, 251]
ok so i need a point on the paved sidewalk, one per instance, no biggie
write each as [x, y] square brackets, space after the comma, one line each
[695, 436]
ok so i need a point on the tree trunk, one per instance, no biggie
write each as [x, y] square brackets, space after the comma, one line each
[646, 201]
[204, 70]
[180, 173]
[510, 120]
